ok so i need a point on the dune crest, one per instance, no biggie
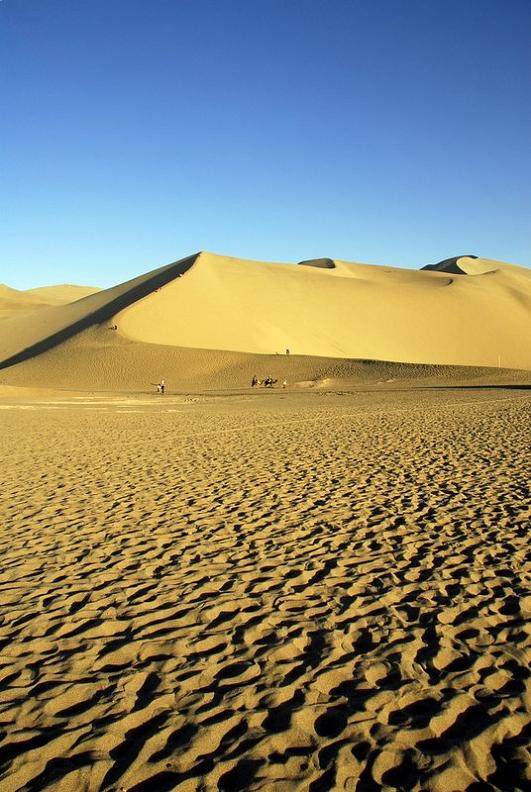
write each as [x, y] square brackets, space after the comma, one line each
[23, 337]
[320, 263]
[319, 308]
[350, 311]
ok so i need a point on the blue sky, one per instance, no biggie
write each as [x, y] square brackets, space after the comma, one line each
[136, 132]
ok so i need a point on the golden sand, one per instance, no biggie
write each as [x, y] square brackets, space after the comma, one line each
[13, 301]
[310, 588]
[285, 590]
[349, 311]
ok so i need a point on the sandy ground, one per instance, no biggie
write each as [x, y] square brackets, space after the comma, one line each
[265, 591]
[99, 359]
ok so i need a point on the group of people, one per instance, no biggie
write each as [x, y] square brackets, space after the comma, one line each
[268, 382]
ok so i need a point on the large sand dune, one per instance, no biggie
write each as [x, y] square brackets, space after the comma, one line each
[321, 308]
[346, 311]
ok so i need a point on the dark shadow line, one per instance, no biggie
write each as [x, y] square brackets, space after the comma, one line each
[105, 312]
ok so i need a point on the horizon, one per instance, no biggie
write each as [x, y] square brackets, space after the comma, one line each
[384, 133]
[112, 284]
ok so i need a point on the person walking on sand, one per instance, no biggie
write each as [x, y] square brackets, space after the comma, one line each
[162, 386]
[254, 381]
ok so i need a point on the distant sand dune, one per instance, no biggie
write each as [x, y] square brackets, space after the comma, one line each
[63, 293]
[319, 309]
[14, 302]
[449, 265]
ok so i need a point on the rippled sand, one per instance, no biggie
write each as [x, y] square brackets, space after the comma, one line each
[273, 591]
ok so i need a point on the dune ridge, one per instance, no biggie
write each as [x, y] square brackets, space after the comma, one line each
[451, 265]
[320, 308]
[23, 337]
[352, 311]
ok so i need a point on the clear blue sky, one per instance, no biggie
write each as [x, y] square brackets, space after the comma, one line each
[135, 132]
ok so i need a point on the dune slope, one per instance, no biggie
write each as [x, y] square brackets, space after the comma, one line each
[62, 293]
[319, 308]
[342, 310]
[22, 337]
[100, 359]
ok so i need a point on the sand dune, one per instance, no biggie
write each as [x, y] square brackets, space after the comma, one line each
[344, 311]
[473, 265]
[22, 337]
[14, 301]
[320, 308]
[103, 360]
[63, 293]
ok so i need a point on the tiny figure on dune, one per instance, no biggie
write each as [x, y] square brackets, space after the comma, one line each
[159, 386]
[269, 382]
[284, 383]
[255, 381]
[287, 351]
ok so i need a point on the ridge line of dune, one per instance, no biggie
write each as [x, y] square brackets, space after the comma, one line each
[148, 283]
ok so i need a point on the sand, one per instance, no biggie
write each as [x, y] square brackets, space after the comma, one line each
[101, 359]
[15, 301]
[349, 311]
[344, 311]
[317, 587]
[24, 335]
[284, 590]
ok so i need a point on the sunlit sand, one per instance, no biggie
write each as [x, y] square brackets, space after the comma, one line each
[322, 586]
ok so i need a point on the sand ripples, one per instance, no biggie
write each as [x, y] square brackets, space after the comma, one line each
[266, 595]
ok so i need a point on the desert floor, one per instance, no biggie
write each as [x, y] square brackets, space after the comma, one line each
[265, 591]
